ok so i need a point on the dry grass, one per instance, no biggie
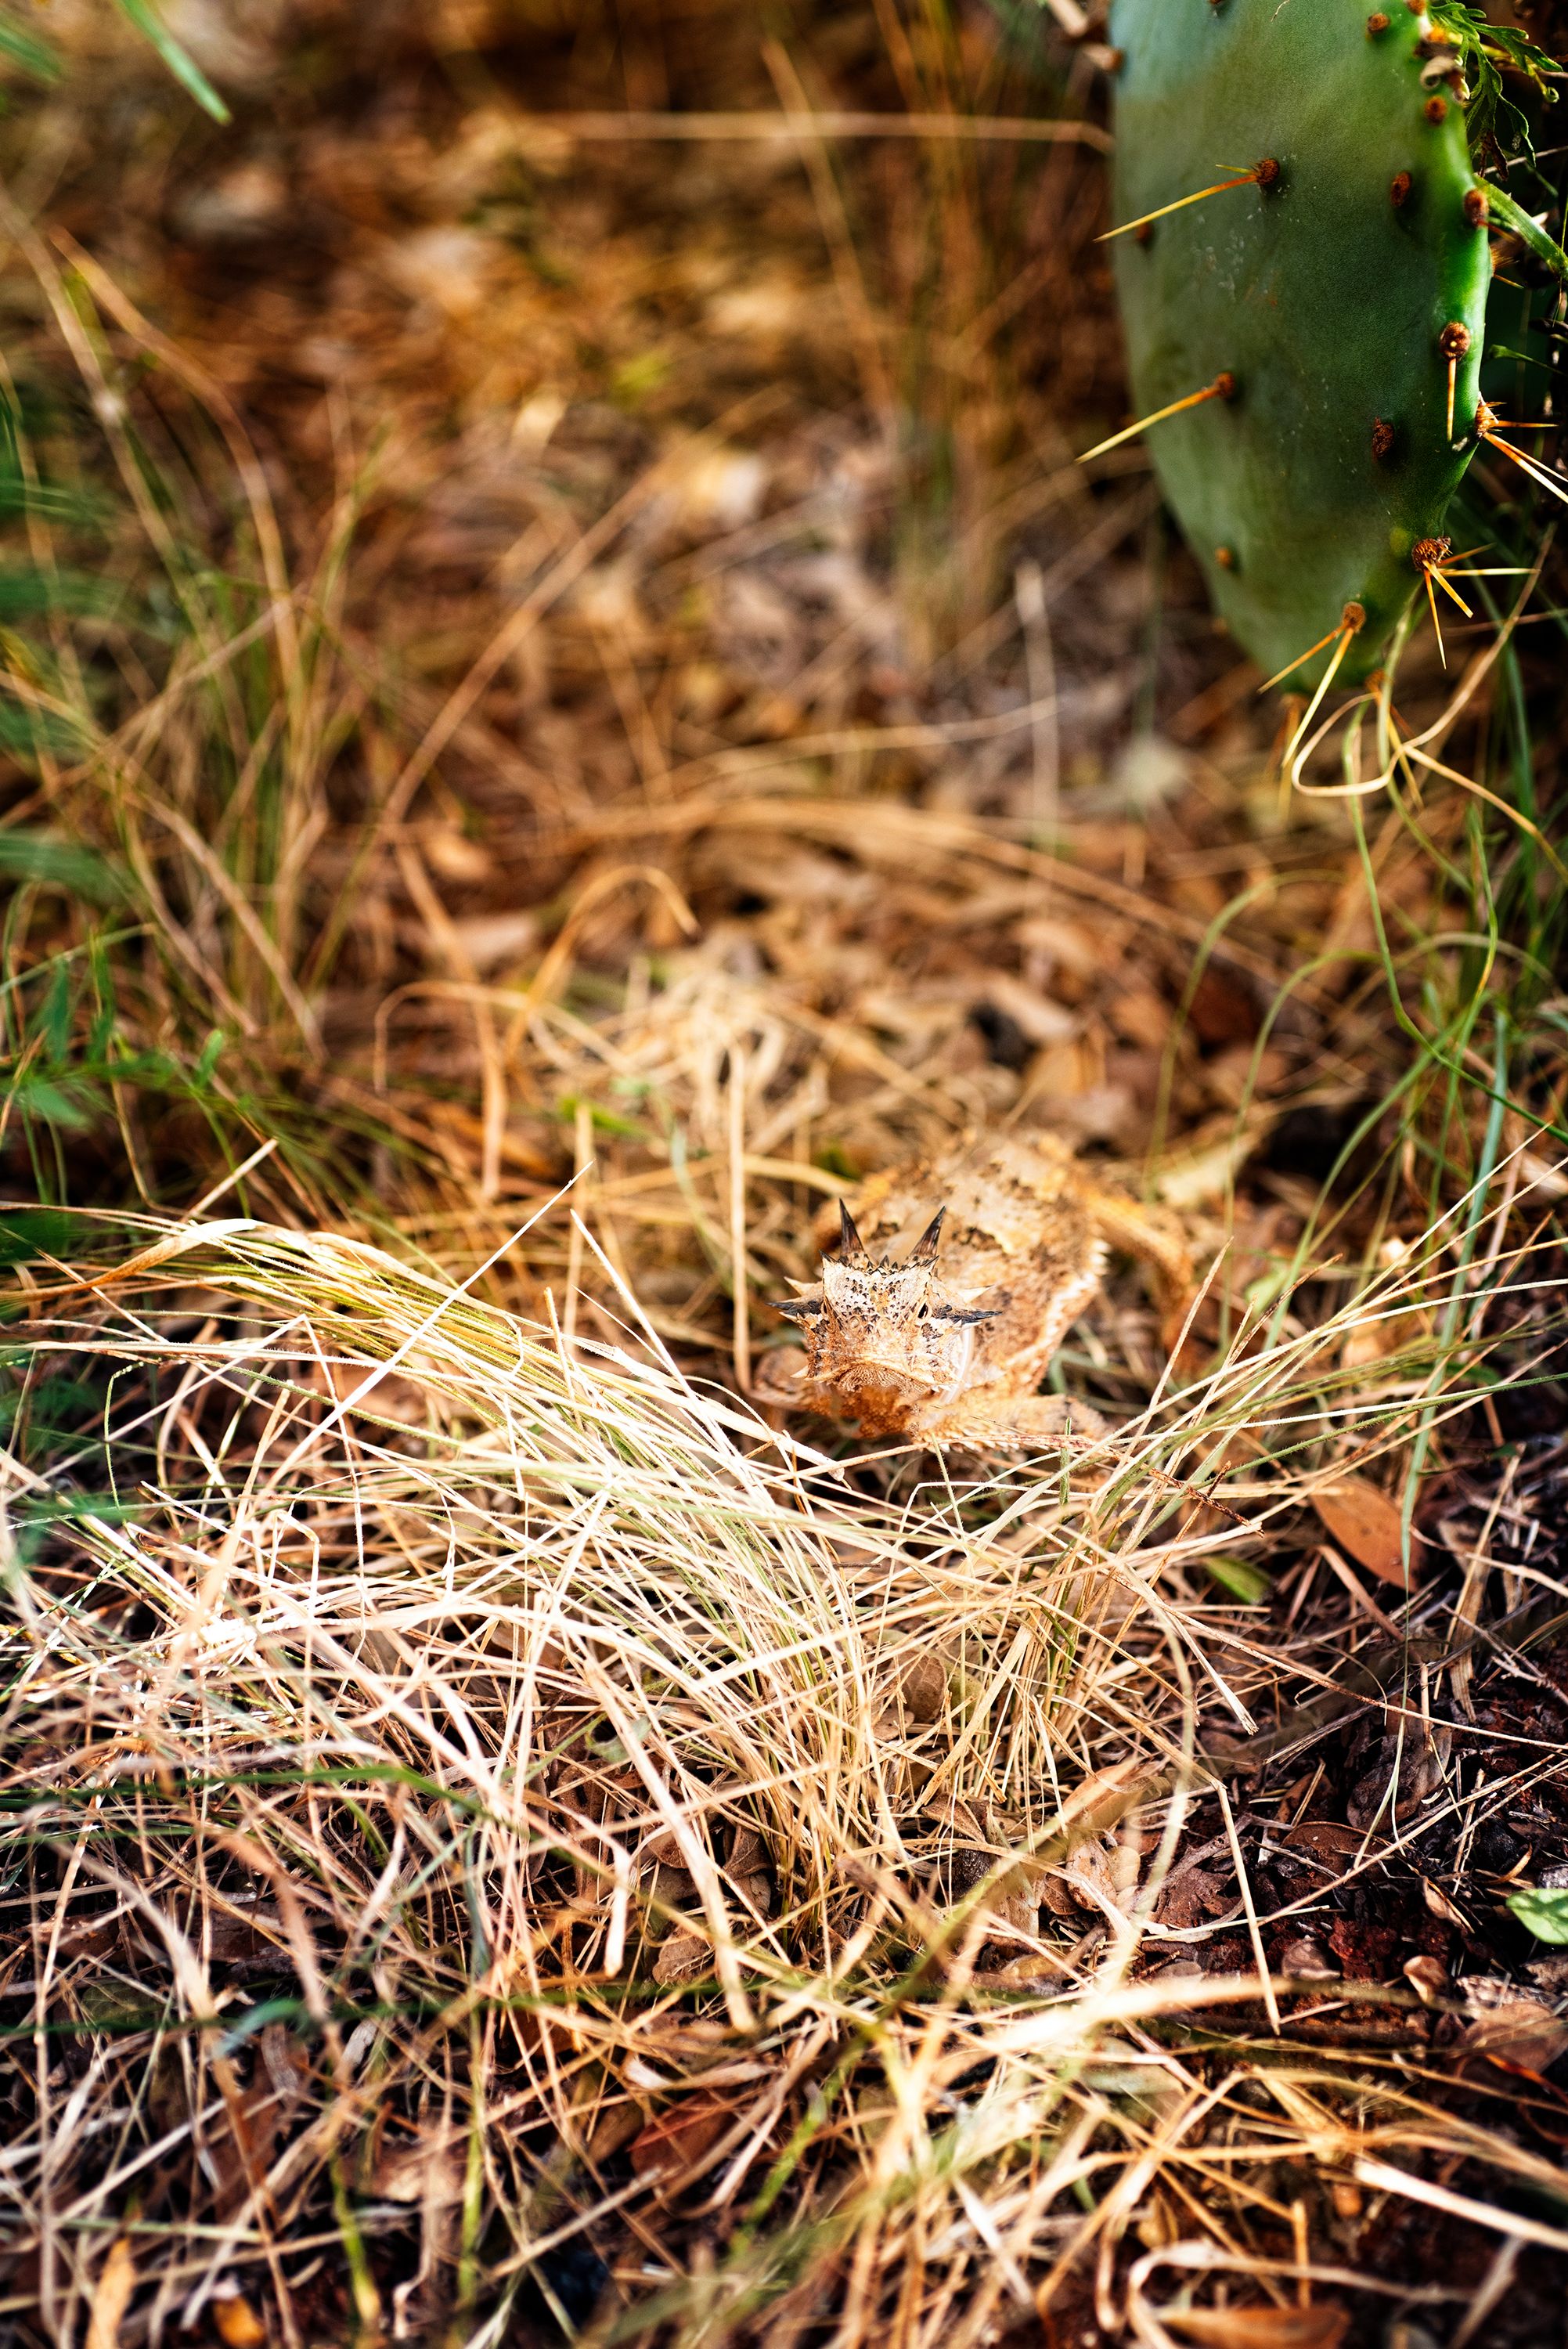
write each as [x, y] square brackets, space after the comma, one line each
[649, 1838]
[608, 709]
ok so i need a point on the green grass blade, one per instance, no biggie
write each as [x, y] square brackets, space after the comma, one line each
[65, 865]
[23, 47]
[1514, 217]
[179, 60]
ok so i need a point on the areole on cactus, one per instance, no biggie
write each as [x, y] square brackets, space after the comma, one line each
[1331, 279]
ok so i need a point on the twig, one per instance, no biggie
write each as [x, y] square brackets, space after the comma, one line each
[987, 129]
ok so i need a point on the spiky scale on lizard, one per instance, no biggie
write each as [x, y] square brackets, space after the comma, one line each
[988, 1256]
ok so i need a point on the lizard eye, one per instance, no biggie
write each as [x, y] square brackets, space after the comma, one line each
[922, 1312]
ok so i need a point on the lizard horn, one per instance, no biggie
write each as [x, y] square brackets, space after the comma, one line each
[850, 1245]
[924, 1249]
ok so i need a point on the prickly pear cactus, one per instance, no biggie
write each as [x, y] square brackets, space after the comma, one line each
[1336, 299]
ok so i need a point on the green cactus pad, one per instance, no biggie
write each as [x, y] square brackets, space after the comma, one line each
[1324, 295]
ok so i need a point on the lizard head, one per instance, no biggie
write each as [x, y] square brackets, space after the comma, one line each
[885, 1329]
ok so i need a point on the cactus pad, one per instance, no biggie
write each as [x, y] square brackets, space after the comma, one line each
[1332, 298]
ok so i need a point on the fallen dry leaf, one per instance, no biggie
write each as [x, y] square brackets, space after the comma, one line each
[682, 1957]
[239, 2326]
[116, 2283]
[1324, 1838]
[1365, 1522]
[1056, 1895]
[1260, 2328]
[756, 1890]
[676, 2141]
[1222, 1010]
[747, 1854]
[1192, 1894]
[923, 1688]
[1440, 1905]
[1427, 1977]
[428, 2167]
[1407, 1770]
[1304, 1957]
[1513, 2026]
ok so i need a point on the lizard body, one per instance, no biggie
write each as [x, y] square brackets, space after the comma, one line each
[945, 1334]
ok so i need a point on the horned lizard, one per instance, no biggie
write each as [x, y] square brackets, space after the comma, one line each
[952, 1354]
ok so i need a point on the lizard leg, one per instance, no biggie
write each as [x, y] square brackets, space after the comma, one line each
[779, 1377]
[780, 1382]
